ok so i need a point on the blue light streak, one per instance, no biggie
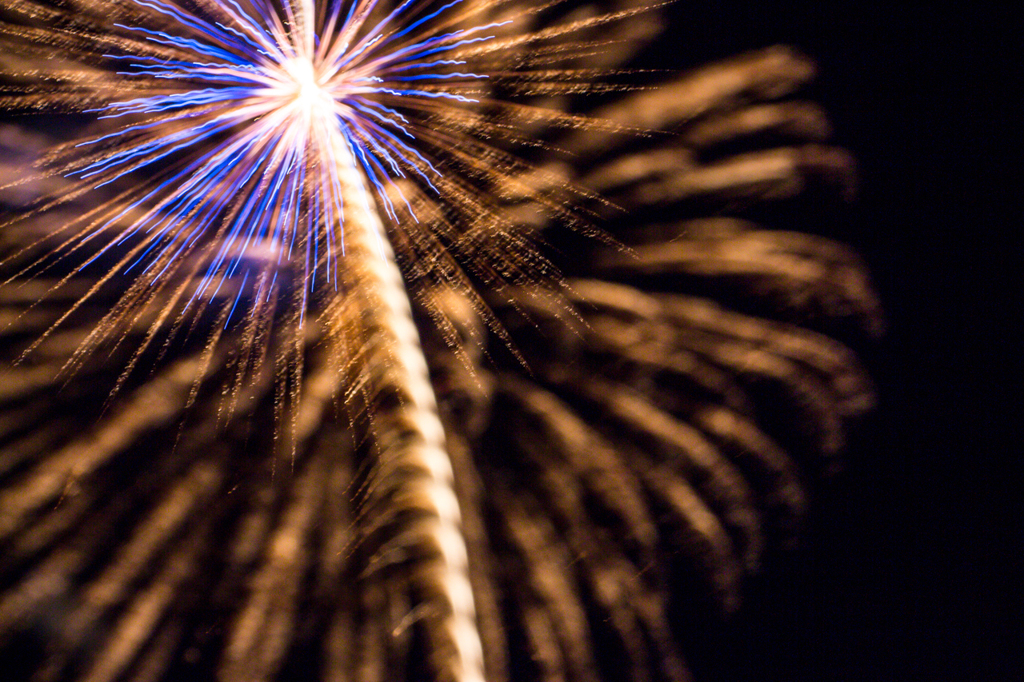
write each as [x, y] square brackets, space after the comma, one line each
[247, 116]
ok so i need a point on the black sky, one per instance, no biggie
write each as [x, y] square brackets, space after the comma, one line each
[908, 572]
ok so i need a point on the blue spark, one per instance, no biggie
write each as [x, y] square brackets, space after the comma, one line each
[245, 116]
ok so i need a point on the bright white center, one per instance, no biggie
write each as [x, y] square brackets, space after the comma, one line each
[309, 94]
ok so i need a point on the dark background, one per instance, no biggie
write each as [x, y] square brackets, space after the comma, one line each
[911, 566]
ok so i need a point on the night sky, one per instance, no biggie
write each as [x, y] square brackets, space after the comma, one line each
[907, 573]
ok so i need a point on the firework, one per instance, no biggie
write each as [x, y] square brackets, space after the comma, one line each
[228, 263]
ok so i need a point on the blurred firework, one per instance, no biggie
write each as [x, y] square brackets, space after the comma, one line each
[631, 420]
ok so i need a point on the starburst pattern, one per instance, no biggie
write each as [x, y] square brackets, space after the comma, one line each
[275, 106]
[235, 126]
[680, 391]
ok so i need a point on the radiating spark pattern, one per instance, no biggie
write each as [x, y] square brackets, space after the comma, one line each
[417, 511]
[250, 139]
[224, 129]
[264, 137]
[269, 102]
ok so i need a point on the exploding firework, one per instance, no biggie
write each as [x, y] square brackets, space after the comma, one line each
[218, 254]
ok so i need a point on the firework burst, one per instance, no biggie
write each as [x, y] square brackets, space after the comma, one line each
[231, 225]
[277, 116]
[246, 141]
[247, 133]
